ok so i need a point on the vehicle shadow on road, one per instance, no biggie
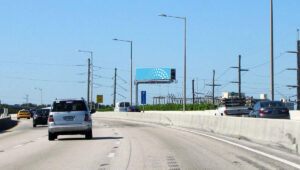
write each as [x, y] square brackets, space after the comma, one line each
[94, 138]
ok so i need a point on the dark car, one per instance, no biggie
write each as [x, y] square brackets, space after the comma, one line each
[40, 117]
[270, 109]
[32, 112]
[133, 109]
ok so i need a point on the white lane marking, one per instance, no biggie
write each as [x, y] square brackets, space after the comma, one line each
[111, 155]
[18, 146]
[245, 147]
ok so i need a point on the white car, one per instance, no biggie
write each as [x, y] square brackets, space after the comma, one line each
[122, 106]
[70, 117]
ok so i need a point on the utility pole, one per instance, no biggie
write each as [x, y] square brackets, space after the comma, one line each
[115, 88]
[272, 54]
[88, 83]
[239, 76]
[92, 74]
[41, 93]
[213, 87]
[193, 90]
[27, 99]
[298, 70]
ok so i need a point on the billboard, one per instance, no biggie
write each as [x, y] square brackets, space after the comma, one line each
[155, 74]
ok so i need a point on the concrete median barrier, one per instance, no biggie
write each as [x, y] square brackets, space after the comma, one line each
[274, 132]
[295, 115]
[7, 123]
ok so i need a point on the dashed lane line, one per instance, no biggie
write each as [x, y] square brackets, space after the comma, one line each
[111, 155]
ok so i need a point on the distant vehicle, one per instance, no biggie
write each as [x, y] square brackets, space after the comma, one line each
[133, 109]
[23, 114]
[270, 109]
[40, 117]
[70, 117]
[233, 107]
[122, 106]
[32, 112]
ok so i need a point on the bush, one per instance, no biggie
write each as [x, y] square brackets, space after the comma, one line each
[107, 109]
[178, 107]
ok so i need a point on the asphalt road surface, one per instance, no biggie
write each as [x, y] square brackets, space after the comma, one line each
[131, 145]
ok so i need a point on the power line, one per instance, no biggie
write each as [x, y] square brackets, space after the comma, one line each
[44, 64]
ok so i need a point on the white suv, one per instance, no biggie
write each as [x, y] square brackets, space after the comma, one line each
[121, 106]
[70, 117]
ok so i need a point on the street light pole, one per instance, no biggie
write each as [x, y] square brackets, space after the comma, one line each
[184, 62]
[129, 41]
[272, 54]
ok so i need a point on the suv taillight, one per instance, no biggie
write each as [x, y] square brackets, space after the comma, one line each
[51, 118]
[225, 112]
[86, 117]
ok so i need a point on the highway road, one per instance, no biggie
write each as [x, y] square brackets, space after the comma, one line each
[131, 145]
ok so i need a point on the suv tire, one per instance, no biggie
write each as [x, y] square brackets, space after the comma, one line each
[89, 134]
[51, 136]
[34, 125]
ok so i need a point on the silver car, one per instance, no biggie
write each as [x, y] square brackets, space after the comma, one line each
[70, 117]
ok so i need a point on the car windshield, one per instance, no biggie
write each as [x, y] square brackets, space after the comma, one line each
[272, 104]
[70, 105]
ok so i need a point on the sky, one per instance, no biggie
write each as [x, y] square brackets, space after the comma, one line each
[39, 42]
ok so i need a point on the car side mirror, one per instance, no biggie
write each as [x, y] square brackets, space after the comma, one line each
[93, 111]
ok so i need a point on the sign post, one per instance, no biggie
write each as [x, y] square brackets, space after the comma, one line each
[143, 100]
[99, 98]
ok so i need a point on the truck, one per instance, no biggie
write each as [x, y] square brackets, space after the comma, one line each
[233, 106]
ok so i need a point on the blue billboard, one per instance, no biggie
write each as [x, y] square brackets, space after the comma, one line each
[155, 74]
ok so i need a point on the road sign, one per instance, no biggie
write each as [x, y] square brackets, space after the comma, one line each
[143, 96]
[99, 98]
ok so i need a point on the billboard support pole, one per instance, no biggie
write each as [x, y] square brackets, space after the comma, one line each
[136, 93]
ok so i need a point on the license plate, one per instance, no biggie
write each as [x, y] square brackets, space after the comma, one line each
[68, 118]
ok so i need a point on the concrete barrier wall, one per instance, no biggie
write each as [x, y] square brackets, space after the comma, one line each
[295, 115]
[276, 132]
[5, 123]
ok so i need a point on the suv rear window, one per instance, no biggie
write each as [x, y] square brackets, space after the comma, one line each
[69, 105]
[124, 104]
[43, 111]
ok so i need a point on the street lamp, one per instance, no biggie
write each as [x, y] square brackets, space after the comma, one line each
[129, 41]
[92, 72]
[272, 53]
[41, 93]
[184, 63]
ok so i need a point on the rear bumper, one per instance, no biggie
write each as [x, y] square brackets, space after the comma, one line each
[272, 116]
[40, 121]
[23, 116]
[73, 128]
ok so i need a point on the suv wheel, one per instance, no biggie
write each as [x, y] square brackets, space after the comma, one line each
[89, 134]
[34, 125]
[51, 136]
